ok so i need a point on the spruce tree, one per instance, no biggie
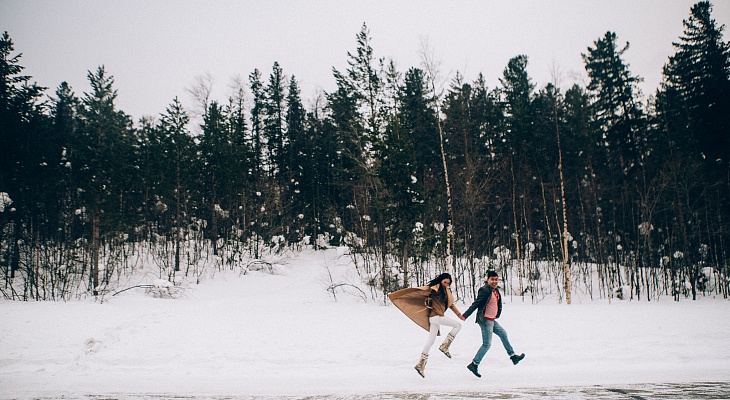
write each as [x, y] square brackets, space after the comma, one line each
[257, 118]
[617, 113]
[297, 166]
[275, 122]
[176, 168]
[345, 124]
[65, 115]
[365, 75]
[322, 184]
[217, 159]
[103, 164]
[473, 119]
[242, 180]
[697, 84]
[29, 163]
[517, 93]
[410, 149]
[693, 117]
[24, 145]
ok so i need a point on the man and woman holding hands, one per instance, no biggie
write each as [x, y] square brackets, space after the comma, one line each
[426, 306]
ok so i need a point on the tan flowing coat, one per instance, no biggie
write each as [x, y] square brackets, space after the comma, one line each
[417, 304]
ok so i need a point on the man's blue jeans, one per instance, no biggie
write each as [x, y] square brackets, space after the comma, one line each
[487, 329]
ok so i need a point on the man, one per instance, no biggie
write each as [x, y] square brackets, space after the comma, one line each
[489, 307]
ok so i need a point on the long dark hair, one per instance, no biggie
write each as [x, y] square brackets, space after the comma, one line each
[438, 279]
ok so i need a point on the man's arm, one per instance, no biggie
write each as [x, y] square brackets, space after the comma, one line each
[481, 299]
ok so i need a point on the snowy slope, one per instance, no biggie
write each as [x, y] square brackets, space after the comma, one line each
[284, 334]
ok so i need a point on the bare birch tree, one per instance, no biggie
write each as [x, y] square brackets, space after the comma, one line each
[565, 237]
[431, 67]
[201, 92]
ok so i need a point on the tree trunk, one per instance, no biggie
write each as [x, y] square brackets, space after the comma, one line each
[178, 223]
[518, 244]
[449, 202]
[566, 233]
[432, 69]
[95, 252]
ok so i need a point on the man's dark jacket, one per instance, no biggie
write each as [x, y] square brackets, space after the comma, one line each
[483, 296]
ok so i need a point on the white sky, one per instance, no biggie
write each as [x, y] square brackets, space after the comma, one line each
[156, 49]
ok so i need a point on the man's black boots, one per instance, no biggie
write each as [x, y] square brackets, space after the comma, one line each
[516, 358]
[474, 368]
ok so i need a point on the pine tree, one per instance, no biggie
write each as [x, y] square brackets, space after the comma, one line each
[365, 76]
[217, 158]
[697, 82]
[23, 145]
[583, 152]
[10, 78]
[148, 142]
[28, 166]
[473, 118]
[617, 113]
[297, 166]
[242, 168]
[618, 116]
[550, 109]
[275, 122]
[260, 157]
[419, 119]
[102, 161]
[408, 159]
[176, 167]
[693, 117]
[517, 95]
[345, 126]
[65, 114]
[257, 118]
[322, 183]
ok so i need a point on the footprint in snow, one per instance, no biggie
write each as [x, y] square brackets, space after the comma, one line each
[94, 346]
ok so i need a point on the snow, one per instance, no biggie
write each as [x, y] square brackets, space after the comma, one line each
[280, 332]
[5, 201]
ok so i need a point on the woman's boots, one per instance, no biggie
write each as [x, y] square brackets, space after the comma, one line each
[421, 366]
[445, 345]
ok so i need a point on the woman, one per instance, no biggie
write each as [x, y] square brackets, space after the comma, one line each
[426, 306]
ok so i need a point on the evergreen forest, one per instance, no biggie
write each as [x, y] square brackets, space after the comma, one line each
[586, 188]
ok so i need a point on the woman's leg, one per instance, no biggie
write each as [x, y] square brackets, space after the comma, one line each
[436, 321]
[454, 324]
[433, 331]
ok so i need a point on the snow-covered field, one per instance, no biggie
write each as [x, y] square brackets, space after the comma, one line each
[283, 334]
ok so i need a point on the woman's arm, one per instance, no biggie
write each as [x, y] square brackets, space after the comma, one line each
[456, 311]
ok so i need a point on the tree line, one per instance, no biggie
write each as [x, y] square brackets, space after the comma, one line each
[586, 188]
